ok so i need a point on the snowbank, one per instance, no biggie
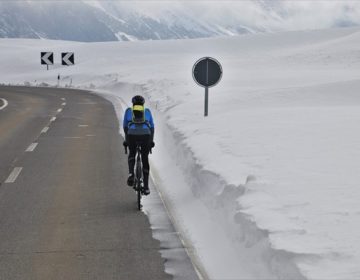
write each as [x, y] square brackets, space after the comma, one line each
[266, 186]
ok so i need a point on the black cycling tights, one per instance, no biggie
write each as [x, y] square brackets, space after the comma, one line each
[144, 141]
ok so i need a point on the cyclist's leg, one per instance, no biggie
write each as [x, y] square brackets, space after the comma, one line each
[131, 159]
[145, 148]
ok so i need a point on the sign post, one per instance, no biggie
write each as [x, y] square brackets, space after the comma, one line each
[206, 101]
[207, 72]
[47, 58]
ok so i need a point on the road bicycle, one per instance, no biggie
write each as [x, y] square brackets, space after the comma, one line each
[138, 178]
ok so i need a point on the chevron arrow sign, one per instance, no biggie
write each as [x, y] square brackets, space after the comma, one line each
[67, 58]
[47, 58]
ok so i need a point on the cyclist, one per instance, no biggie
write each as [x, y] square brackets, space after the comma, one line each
[139, 128]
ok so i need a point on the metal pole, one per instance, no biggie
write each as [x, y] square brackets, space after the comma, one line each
[207, 89]
[206, 101]
[47, 66]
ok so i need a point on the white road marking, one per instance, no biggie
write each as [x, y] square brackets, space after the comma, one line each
[200, 271]
[83, 125]
[13, 175]
[72, 137]
[62, 98]
[45, 129]
[63, 104]
[5, 103]
[53, 119]
[32, 147]
[59, 110]
[90, 135]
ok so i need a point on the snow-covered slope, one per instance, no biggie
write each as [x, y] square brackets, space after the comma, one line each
[266, 187]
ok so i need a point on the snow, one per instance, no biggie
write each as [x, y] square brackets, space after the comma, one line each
[265, 187]
[122, 35]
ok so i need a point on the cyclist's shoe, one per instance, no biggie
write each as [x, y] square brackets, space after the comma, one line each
[130, 180]
[146, 191]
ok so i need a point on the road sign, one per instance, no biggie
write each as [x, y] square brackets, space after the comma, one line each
[207, 72]
[47, 58]
[67, 58]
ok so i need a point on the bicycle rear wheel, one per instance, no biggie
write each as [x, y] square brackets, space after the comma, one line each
[138, 173]
[138, 191]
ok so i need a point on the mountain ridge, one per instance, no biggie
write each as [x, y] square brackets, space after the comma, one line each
[98, 21]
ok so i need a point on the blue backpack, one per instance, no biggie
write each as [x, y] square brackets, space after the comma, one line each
[138, 124]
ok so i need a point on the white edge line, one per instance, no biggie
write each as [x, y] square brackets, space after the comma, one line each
[5, 103]
[13, 175]
[32, 147]
[45, 129]
[200, 271]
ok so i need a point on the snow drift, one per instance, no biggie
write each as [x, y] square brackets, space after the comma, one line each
[266, 186]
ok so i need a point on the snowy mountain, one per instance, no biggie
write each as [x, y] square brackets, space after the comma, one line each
[102, 21]
[54, 20]
[91, 21]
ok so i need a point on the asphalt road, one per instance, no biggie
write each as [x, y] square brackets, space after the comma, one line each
[65, 211]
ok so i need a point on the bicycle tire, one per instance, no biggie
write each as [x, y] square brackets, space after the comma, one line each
[138, 176]
[139, 196]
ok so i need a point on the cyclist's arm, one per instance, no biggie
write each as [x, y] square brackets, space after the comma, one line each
[126, 121]
[152, 126]
[152, 134]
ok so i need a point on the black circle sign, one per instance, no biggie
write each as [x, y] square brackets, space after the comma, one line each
[207, 72]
